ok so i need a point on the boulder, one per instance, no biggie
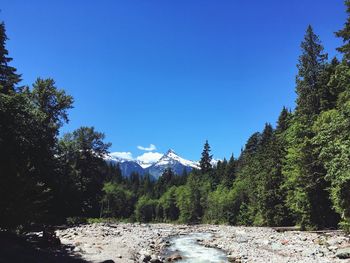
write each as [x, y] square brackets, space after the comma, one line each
[343, 253]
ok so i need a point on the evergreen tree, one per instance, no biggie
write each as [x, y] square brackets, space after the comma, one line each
[274, 210]
[220, 169]
[135, 182]
[309, 79]
[205, 162]
[332, 143]
[165, 181]
[329, 93]
[229, 171]
[147, 185]
[8, 74]
[345, 34]
[306, 186]
[282, 122]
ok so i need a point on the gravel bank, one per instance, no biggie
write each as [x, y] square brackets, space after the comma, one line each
[146, 242]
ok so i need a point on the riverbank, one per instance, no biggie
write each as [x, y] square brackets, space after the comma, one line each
[147, 242]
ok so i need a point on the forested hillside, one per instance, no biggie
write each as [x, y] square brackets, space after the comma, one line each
[296, 172]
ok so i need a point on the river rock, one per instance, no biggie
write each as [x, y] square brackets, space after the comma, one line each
[145, 258]
[276, 246]
[242, 239]
[334, 241]
[343, 253]
[266, 242]
[77, 249]
[174, 257]
[155, 259]
[233, 259]
[332, 248]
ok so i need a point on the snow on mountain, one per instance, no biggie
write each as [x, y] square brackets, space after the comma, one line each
[171, 160]
[151, 162]
[170, 157]
[119, 157]
[147, 159]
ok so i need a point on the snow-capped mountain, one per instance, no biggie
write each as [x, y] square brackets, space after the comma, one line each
[171, 160]
[154, 166]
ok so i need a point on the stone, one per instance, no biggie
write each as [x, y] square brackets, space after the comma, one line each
[233, 259]
[77, 249]
[144, 258]
[343, 253]
[174, 257]
[285, 242]
[155, 259]
[266, 242]
[276, 246]
[333, 242]
[242, 239]
[332, 248]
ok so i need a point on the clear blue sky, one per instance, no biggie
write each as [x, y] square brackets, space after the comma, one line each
[169, 73]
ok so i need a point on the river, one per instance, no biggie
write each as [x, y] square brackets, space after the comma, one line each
[192, 251]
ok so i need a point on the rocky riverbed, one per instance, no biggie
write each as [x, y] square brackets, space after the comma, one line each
[152, 243]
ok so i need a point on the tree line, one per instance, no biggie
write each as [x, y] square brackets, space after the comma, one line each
[296, 173]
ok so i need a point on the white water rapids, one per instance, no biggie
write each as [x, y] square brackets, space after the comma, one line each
[193, 252]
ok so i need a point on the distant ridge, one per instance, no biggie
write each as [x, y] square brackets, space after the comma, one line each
[168, 160]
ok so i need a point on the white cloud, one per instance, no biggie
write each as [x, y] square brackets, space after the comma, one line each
[122, 155]
[149, 158]
[151, 147]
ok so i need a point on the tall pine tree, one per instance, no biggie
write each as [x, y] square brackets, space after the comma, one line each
[307, 189]
[205, 162]
[8, 75]
[312, 63]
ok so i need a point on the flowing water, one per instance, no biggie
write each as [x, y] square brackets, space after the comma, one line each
[191, 251]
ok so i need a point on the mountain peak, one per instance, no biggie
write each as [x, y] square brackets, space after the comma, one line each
[170, 151]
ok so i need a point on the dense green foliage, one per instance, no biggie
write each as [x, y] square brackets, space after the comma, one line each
[297, 173]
